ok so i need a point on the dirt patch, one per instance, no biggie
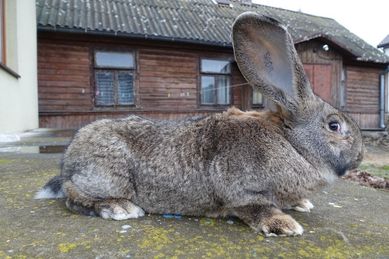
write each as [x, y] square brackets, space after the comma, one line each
[369, 180]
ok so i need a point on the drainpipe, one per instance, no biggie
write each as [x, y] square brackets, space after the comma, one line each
[382, 99]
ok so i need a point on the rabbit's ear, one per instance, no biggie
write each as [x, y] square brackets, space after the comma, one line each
[265, 54]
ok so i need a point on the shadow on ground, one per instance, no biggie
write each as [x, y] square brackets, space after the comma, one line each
[349, 221]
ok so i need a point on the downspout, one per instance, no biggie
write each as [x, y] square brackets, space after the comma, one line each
[382, 98]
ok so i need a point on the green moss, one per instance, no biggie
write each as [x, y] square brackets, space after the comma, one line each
[155, 238]
[207, 222]
[66, 247]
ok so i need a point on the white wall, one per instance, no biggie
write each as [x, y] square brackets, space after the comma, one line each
[19, 96]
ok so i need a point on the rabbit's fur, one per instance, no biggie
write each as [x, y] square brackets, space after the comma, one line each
[247, 164]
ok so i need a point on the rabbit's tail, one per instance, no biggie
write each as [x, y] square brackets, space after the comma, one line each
[52, 189]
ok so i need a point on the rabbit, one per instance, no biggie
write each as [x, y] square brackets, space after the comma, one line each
[251, 165]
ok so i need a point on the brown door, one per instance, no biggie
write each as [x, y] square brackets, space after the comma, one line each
[320, 77]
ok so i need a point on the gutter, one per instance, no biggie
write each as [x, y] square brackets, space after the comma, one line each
[382, 97]
[133, 36]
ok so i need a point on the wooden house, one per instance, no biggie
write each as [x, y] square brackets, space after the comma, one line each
[169, 59]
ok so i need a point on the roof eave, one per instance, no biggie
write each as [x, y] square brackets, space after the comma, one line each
[43, 28]
[383, 45]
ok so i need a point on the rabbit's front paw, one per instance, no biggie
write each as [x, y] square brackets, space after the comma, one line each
[119, 210]
[280, 225]
[303, 205]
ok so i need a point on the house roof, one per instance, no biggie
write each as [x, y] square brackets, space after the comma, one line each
[196, 21]
[384, 43]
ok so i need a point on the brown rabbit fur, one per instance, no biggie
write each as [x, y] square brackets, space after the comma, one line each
[247, 164]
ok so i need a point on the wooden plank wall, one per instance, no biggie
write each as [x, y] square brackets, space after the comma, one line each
[363, 89]
[363, 95]
[64, 77]
[166, 80]
[77, 120]
[366, 120]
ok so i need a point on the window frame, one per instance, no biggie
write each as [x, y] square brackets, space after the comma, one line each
[115, 72]
[3, 39]
[217, 76]
[3, 58]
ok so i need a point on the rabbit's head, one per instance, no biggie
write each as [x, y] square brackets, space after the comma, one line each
[265, 54]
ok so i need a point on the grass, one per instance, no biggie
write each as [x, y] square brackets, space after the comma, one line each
[4, 161]
[382, 171]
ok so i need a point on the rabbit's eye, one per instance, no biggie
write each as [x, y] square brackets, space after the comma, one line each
[334, 126]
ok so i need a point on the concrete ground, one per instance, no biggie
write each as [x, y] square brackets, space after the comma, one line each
[348, 221]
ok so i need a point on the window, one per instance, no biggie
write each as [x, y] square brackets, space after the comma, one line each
[215, 82]
[2, 31]
[257, 98]
[114, 78]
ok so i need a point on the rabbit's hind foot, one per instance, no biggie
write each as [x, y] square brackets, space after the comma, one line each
[269, 220]
[280, 224]
[118, 209]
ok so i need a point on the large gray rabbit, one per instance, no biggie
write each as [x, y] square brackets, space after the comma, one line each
[246, 164]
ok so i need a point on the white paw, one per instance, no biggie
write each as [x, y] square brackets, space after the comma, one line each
[121, 216]
[119, 213]
[308, 204]
[303, 206]
[135, 212]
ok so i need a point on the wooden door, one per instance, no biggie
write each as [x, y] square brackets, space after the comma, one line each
[320, 76]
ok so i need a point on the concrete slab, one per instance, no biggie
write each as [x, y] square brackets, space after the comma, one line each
[348, 221]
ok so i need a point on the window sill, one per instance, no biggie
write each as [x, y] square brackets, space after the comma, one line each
[214, 106]
[115, 108]
[9, 71]
[257, 106]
